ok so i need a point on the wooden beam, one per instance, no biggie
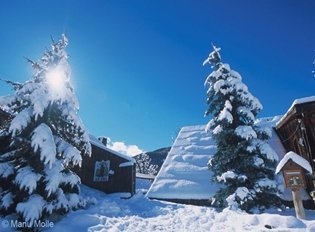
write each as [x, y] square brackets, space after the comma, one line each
[298, 204]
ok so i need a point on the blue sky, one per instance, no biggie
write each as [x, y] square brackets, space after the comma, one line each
[137, 65]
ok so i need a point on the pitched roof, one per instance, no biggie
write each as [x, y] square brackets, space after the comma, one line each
[296, 102]
[96, 142]
[185, 173]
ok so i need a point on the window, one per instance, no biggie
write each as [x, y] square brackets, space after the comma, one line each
[101, 171]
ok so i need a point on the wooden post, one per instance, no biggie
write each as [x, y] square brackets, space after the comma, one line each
[298, 204]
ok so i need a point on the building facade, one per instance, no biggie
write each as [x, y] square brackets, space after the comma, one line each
[296, 130]
[107, 170]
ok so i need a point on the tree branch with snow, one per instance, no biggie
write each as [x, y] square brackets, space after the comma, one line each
[47, 138]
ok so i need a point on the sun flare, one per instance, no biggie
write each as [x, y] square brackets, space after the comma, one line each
[56, 80]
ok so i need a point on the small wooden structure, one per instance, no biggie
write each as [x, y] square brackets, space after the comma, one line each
[107, 170]
[296, 130]
[294, 175]
[293, 168]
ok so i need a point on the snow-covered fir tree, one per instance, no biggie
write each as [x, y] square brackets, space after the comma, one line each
[144, 166]
[244, 163]
[47, 138]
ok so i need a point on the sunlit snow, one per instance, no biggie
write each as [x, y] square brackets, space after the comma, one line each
[56, 79]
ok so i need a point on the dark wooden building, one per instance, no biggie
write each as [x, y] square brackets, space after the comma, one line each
[107, 170]
[4, 118]
[296, 130]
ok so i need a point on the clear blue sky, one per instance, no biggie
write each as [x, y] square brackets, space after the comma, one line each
[137, 65]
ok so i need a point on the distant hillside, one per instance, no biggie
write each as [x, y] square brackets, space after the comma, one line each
[157, 157]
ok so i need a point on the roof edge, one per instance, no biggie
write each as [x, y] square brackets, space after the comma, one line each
[94, 141]
[296, 102]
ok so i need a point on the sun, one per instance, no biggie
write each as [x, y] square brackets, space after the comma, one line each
[56, 80]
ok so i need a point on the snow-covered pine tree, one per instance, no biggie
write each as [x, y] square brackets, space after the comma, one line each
[144, 166]
[244, 162]
[47, 140]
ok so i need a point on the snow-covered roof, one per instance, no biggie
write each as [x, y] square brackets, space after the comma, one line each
[274, 141]
[126, 164]
[297, 102]
[303, 100]
[96, 142]
[185, 174]
[296, 159]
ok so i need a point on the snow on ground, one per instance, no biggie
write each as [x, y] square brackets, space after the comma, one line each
[110, 213]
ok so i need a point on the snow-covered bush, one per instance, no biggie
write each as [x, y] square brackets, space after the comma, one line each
[47, 138]
[244, 162]
[144, 166]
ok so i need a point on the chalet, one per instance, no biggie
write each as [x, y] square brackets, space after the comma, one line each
[296, 130]
[107, 170]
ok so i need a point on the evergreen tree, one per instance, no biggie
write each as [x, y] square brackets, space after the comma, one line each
[144, 166]
[244, 163]
[47, 140]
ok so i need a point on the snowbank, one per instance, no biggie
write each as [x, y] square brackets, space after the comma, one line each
[112, 214]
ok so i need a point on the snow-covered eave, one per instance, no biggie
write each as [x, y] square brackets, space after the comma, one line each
[97, 143]
[295, 103]
[126, 164]
[296, 159]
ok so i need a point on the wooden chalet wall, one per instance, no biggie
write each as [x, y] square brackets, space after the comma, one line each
[4, 118]
[122, 173]
[297, 132]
